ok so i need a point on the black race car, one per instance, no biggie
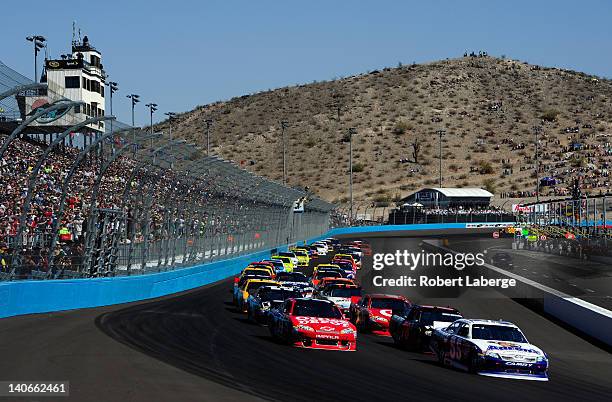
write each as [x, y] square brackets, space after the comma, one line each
[412, 328]
[266, 298]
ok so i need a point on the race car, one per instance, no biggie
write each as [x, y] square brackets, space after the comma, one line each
[287, 262]
[290, 254]
[323, 273]
[266, 298]
[312, 323]
[490, 348]
[327, 267]
[241, 294]
[333, 281]
[341, 294]
[263, 265]
[302, 256]
[278, 264]
[296, 280]
[347, 257]
[321, 248]
[372, 312]
[251, 271]
[412, 328]
[347, 267]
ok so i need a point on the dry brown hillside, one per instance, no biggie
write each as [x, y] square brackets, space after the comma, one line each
[488, 107]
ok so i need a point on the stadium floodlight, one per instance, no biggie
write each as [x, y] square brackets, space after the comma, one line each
[152, 109]
[135, 99]
[171, 115]
[39, 43]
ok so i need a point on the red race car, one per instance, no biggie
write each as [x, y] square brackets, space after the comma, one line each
[373, 312]
[311, 323]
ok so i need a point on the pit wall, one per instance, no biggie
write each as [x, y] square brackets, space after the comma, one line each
[44, 296]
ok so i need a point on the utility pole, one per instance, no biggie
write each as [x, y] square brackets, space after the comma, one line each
[152, 109]
[39, 43]
[351, 132]
[537, 130]
[284, 124]
[208, 124]
[440, 134]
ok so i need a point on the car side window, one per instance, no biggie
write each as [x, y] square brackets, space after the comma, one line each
[464, 330]
[412, 314]
[452, 328]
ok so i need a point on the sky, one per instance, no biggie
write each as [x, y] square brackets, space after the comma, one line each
[180, 54]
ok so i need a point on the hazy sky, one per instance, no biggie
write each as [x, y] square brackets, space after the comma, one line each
[180, 54]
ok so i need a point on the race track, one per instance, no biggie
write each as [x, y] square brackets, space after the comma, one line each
[195, 347]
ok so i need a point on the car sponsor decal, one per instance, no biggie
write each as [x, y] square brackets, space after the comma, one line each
[319, 320]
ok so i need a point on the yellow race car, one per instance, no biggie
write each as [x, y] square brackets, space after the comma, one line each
[302, 256]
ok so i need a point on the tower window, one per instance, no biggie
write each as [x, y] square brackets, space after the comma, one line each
[72, 82]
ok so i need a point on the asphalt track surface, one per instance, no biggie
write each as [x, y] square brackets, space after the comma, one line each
[195, 347]
[588, 280]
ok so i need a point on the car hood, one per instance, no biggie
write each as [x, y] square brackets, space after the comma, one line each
[503, 347]
[322, 324]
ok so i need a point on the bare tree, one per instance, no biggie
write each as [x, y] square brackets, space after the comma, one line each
[416, 149]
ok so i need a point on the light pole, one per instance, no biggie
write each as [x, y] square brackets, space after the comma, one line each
[537, 130]
[208, 124]
[135, 99]
[113, 87]
[171, 116]
[284, 124]
[152, 108]
[39, 43]
[440, 134]
[352, 131]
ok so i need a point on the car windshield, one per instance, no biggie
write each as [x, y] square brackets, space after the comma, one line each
[301, 253]
[266, 294]
[389, 304]
[290, 255]
[315, 308]
[245, 278]
[263, 272]
[328, 274]
[429, 316]
[497, 333]
[344, 292]
[251, 287]
[291, 277]
[345, 265]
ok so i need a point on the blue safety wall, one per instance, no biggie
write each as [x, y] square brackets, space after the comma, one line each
[35, 296]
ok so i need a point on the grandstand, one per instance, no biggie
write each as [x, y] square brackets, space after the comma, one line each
[126, 201]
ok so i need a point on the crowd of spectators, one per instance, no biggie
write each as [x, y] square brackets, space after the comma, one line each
[154, 207]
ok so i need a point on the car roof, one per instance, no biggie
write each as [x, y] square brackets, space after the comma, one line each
[429, 307]
[262, 280]
[385, 296]
[488, 322]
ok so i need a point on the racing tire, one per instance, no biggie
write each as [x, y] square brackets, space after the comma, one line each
[250, 315]
[472, 366]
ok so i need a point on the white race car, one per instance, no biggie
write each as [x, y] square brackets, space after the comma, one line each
[490, 348]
